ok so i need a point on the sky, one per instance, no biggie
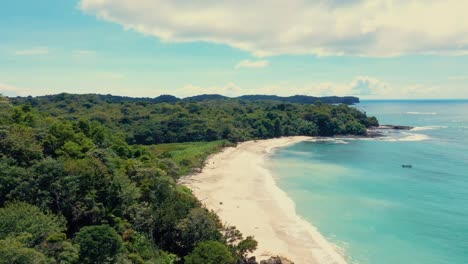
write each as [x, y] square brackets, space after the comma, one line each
[373, 49]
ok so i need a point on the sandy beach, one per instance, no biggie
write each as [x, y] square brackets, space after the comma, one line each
[237, 186]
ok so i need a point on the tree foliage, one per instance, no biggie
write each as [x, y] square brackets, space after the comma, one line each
[28, 222]
[202, 120]
[98, 244]
[15, 252]
[210, 252]
[93, 179]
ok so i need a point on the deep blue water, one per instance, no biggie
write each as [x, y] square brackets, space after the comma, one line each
[358, 195]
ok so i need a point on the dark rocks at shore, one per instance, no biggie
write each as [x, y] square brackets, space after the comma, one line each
[394, 127]
[276, 260]
[375, 132]
[272, 260]
[251, 260]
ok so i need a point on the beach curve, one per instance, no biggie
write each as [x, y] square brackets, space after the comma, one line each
[237, 186]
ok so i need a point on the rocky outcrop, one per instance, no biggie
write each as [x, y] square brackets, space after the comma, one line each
[276, 260]
[374, 132]
[250, 260]
[394, 127]
[272, 260]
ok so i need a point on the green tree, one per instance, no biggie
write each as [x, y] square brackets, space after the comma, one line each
[60, 249]
[277, 128]
[245, 246]
[98, 244]
[372, 122]
[20, 143]
[10, 178]
[238, 246]
[14, 252]
[28, 221]
[210, 252]
[198, 226]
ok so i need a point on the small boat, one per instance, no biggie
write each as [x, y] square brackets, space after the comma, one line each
[408, 166]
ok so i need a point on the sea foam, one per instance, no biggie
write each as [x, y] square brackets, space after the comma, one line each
[421, 113]
[422, 128]
[407, 137]
[330, 140]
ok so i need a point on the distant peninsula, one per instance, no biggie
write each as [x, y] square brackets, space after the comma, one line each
[298, 99]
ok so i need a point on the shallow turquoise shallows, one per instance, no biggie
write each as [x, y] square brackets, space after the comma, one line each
[359, 196]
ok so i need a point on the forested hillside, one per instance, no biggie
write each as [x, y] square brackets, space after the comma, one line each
[85, 180]
[300, 99]
[208, 120]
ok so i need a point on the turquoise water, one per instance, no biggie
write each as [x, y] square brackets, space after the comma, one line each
[358, 195]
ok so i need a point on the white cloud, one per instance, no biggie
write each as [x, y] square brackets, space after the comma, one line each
[9, 90]
[360, 86]
[252, 64]
[458, 78]
[320, 27]
[33, 51]
[365, 86]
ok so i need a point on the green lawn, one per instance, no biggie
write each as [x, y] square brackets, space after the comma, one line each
[188, 155]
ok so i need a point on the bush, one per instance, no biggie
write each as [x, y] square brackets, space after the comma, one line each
[13, 252]
[210, 252]
[29, 222]
[98, 244]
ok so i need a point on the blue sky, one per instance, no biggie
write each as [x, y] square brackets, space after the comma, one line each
[152, 47]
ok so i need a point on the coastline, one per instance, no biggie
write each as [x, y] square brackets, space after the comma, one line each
[237, 186]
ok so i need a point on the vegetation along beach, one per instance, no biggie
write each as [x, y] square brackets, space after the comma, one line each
[81, 170]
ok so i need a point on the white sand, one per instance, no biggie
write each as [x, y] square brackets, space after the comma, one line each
[238, 187]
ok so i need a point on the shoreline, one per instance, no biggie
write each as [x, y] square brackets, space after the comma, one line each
[236, 184]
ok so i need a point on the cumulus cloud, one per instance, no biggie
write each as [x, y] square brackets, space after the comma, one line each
[360, 86]
[321, 27]
[363, 86]
[367, 86]
[33, 51]
[9, 90]
[252, 64]
[458, 78]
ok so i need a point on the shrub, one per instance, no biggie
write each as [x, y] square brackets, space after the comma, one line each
[210, 252]
[98, 244]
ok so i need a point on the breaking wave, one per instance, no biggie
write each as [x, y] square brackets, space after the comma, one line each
[421, 113]
[407, 137]
[427, 128]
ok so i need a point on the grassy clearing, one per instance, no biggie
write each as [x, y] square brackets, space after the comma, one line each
[188, 156]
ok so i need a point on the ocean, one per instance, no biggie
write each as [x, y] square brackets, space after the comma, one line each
[357, 194]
